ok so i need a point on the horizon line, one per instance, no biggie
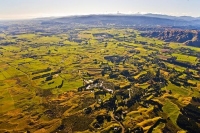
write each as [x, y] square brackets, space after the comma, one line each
[73, 15]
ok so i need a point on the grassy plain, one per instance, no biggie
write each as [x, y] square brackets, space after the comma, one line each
[25, 102]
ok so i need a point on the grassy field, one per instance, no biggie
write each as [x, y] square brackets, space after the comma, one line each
[40, 75]
[171, 110]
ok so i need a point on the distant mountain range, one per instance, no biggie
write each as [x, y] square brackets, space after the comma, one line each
[127, 20]
[120, 20]
[187, 18]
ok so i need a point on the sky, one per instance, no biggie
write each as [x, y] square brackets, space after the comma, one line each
[23, 9]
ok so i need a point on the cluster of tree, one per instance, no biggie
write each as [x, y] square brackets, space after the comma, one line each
[41, 71]
[188, 51]
[115, 58]
[191, 111]
[61, 85]
[156, 124]
[181, 82]
[135, 130]
[134, 51]
[173, 60]
[46, 75]
[189, 118]
[187, 124]
[196, 99]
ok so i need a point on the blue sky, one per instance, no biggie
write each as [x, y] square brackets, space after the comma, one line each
[20, 9]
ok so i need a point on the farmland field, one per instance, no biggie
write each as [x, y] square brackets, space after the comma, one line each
[96, 79]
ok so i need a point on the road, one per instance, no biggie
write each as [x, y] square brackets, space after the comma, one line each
[120, 123]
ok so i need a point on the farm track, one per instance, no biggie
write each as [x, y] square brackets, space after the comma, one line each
[120, 123]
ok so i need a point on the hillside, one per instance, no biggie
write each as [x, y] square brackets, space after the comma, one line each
[188, 37]
[125, 20]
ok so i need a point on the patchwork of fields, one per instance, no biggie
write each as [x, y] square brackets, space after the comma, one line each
[97, 80]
